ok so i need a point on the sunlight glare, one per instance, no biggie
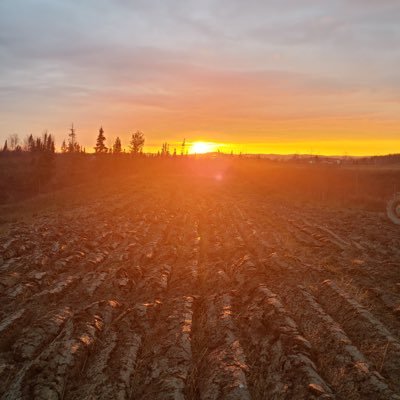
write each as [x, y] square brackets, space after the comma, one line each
[218, 177]
[202, 147]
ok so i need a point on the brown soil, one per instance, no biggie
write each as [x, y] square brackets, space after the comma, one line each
[198, 290]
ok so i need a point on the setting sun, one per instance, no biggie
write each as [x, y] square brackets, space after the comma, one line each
[202, 147]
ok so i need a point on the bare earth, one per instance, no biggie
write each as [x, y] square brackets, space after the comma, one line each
[197, 292]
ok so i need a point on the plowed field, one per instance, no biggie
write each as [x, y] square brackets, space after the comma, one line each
[198, 292]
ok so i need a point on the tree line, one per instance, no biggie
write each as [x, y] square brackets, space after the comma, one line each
[135, 147]
[71, 145]
[44, 144]
[136, 144]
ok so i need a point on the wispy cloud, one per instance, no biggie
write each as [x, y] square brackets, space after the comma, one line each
[227, 66]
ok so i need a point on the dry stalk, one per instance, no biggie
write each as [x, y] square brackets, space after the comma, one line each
[384, 357]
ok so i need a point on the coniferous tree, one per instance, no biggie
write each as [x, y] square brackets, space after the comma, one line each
[50, 146]
[44, 144]
[117, 147]
[53, 146]
[100, 146]
[5, 147]
[31, 143]
[73, 145]
[64, 147]
[136, 143]
[42, 151]
[72, 140]
[183, 145]
[48, 143]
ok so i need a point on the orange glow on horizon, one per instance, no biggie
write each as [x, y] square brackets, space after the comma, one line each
[203, 147]
[321, 147]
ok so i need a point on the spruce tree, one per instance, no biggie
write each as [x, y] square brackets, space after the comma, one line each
[31, 143]
[100, 146]
[72, 145]
[117, 147]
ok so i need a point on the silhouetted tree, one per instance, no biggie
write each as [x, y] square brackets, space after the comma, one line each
[42, 150]
[165, 149]
[44, 144]
[73, 145]
[30, 143]
[136, 143]
[49, 144]
[183, 145]
[72, 139]
[117, 147]
[5, 147]
[64, 147]
[14, 142]
[100, 146]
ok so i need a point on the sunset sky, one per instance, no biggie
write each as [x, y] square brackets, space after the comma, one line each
[273, 76]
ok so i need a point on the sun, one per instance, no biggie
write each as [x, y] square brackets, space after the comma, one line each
[202, 147]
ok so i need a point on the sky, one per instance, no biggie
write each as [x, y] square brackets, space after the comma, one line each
[271, 76]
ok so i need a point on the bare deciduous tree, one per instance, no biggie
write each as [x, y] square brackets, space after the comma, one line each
[13, 141]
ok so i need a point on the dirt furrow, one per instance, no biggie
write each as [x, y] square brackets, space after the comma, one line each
[206, 302]
[47, 376]
[109, 371]
[163, 369]
[280, 358]
[343, 365]
[371, 336]
[221, 362]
